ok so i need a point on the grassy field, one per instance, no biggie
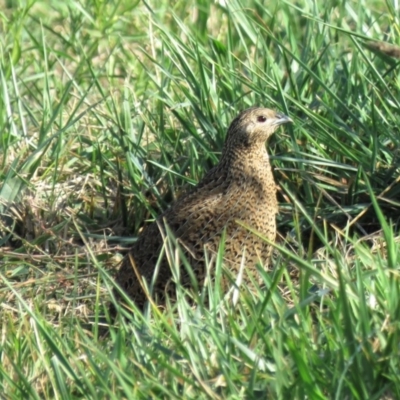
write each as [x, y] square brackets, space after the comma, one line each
[109, 109]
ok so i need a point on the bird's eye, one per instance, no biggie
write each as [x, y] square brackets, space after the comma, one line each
[261, 118]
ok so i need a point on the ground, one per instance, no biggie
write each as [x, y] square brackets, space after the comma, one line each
[109, 110]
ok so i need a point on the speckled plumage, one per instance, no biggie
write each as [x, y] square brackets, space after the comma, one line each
[240, 187]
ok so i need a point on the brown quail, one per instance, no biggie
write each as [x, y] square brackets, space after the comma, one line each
[239, 188]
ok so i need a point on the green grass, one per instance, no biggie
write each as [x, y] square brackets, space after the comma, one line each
[109, 109]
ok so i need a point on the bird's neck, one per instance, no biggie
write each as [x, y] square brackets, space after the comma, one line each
[247, 160]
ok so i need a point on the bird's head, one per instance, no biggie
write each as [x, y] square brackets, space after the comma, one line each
[254, 126]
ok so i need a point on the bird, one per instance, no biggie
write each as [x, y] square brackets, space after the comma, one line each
[238, 192]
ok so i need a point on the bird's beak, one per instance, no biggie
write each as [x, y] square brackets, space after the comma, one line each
[282, 119]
